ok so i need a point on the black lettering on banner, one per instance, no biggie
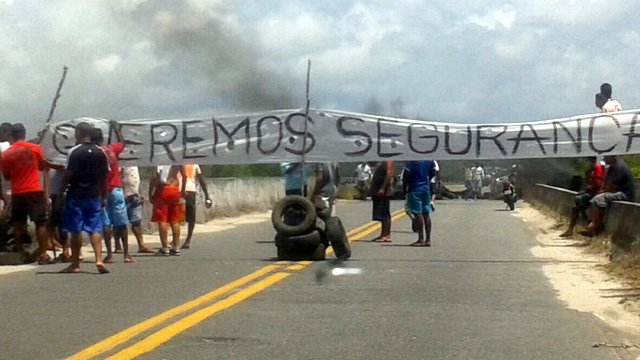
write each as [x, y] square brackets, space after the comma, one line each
[310, 144]
[128, 142]
[632, 132]
[354, 133]
[382, 135]
[67, 140]
[447, 141]
[575, 140]
[436, 138]
[163, 142]
[518, 139]
[186, 140]
[592, 125]
[230, 141]
[275, 120]
[481, 137]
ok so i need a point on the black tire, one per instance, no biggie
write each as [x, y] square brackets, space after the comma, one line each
[304, 242]
[283, 254]
[338, 238]
[320, 253]
[293, 203]
[324, 214]
[512, 205]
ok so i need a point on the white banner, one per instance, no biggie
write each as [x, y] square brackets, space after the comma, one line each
[277, 136]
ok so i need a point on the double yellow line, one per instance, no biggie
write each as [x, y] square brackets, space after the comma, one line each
[165, 334]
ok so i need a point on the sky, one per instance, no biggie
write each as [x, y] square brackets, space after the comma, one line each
[465, 61]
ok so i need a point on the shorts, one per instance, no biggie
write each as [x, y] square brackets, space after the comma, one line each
[82, 215]
[134, 209]
[381, 208]
[419, 203]
[115, 213]
[190, 206]
[32, 204]
[603, 200]
[166, 206]
[583, 201]
[55, 218]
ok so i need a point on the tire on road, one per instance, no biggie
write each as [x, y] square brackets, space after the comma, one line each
[338, 238]
[293, 203]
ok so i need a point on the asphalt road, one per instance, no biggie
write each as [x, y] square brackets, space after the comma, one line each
[478, 293]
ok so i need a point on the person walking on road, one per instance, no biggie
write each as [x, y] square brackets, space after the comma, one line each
[22, 164]
[194, 177]
[380, 193]
[166, 193]
[85, 183]
[418, 175]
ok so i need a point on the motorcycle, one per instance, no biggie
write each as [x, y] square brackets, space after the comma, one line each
[509, 194]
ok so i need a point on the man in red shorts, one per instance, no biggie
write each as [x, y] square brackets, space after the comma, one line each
[22, 164]
[166, 192]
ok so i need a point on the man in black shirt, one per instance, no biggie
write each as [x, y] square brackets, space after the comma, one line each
[618, 186]
[85, 181]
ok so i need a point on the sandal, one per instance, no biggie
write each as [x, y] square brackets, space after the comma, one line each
[146, 250]
[70, 270]
[46, 261]
[174, 252]
[102, 269]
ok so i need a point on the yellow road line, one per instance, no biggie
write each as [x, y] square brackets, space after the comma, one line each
[125, 335]
[165, 334]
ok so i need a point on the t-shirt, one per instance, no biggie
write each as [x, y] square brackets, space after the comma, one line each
[418, 175]
[130, 180]
[478, 173]
[621, 178]
[6, 184]
[87, 166]
[22, 163]
[170, 175]
[293, 177]
[115, 177]
[595, 178]
[191, 171]
[611, 106]
[363, 172]
[55, 180]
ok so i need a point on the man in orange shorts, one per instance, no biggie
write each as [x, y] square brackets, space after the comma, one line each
[166, 193]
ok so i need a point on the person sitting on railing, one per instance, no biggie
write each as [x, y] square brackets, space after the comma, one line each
[618, 186]
[594, 180]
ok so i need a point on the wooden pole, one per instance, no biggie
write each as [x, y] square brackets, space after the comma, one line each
[55, 99]
[306, 122]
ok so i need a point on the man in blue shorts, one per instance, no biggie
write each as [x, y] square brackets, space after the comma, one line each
[418, 175]
[85, 181]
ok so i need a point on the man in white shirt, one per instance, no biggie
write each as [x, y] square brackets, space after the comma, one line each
[134, 202]
[610, 104]
[363, 176]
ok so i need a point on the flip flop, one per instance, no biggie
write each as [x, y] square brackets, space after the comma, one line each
[146, 250]
[70, 270]
[102, 269]
[129, 260]
[419, 244]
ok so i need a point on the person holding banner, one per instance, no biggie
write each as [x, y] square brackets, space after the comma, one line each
[380, 192]
[166, 193]
[609, 105]
[295, 182]
[115, 218]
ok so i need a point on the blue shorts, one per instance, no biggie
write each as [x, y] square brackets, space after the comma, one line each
[419, 203]
[82, 215]
[115, 214]
[134, 209]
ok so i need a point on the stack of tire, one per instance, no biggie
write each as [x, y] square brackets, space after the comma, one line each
[304, 230]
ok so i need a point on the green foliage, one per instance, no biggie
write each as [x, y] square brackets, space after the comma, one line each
[634, 164]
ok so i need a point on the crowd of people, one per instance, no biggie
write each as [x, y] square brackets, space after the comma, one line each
[91, 193]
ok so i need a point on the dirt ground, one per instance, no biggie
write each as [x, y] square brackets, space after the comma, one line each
[581, 273]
